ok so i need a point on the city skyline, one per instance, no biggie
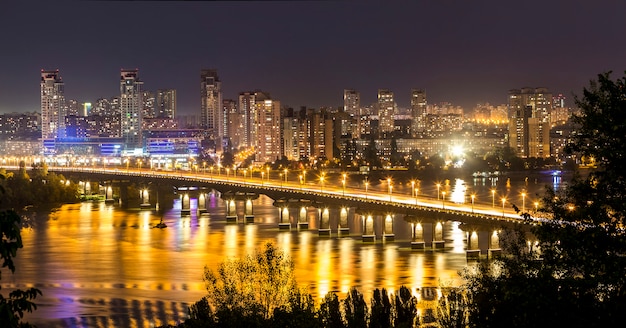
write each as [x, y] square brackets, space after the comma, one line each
[307, 53]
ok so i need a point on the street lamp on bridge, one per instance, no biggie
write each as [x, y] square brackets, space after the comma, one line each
[443, 200]
[473, 197]
[438, 189]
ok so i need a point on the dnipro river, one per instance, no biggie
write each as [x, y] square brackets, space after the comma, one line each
[100, 265]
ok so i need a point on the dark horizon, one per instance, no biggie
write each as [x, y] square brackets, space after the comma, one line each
[307, 53]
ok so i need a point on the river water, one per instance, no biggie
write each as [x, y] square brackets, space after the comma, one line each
[100, 265]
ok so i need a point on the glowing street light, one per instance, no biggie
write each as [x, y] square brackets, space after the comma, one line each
[443, 199]
[473, 197]
[300, 177]
[322, 182]
[493, 198]
[412, 188]
[390, 187]
[227, 172]
[503, 202]
[416, 193]
[367, 183]
[262, 177]
[523, 201]
[285, 176]
[343, 182]
[303, 176]
[536, 206]
[438, 188]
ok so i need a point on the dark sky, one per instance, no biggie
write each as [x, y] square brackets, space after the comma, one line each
[306, 53]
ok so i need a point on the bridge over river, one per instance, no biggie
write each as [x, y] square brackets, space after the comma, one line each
[292, 198]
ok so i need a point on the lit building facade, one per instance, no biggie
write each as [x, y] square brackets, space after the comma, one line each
[52, 105]
[165, 103]
[267, 143]
[131, 107]
[246, 103]
[212, 118]
[418, 110]
[352, 106]
[386, 109]
[529, 122]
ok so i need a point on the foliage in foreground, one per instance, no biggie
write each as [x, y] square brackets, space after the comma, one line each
[13, 307]
[575, 278]
[260, 291]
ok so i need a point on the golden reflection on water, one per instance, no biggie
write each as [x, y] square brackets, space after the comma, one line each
[89, 258]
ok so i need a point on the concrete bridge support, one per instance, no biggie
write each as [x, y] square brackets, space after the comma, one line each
[388, 234]
[324, 221]
[185, 204]
[343, 228]
[283, 218]
[231, 210]
[303, 221]
[203, 198]
[417, 236]
[494, 244]
[369, 235]
[144, 196]
[248, 213]
[108, 194]
[438, 241]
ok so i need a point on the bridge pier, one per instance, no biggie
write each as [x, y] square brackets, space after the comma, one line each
[417, 235]
[303, 222]
[388, 234]
[324, 222]
[283, 218]
[185, 204]
[144, 195]
[203, 198]
[369, 235]
[248, 211]
[473, 248]
[438, 241]
[343, 228]
[231, 210]
[494, 244]
[108, 194]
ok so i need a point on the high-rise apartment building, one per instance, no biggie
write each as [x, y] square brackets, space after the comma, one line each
[247, 101]
[212, 118]
[236, 123]
[52, 105]
[267, 144]
[148, 100]
[418, 110]
[352, 102]
[131, 107]
[352, 106]
[529, 122]
[386, 109]
[165, 106]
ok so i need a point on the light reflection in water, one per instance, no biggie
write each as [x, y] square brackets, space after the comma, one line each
[93, 253]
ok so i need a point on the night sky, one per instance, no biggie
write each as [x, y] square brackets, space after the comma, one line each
[306, 53]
